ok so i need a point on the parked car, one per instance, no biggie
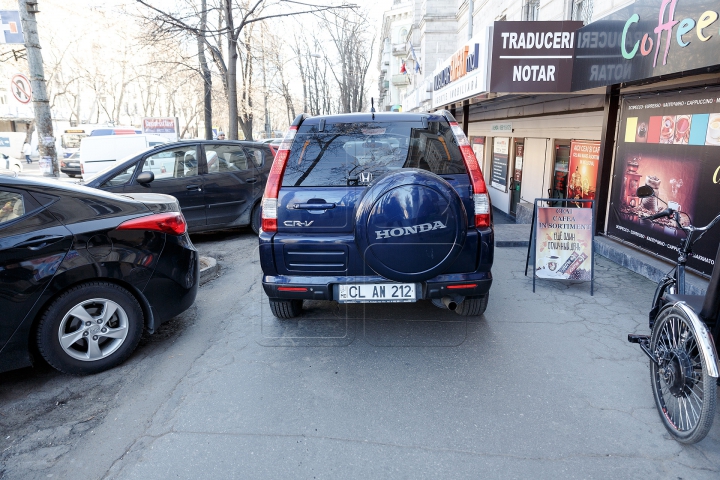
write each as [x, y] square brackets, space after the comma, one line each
[101, 152]
[83, 271]
[382, 207]
[11, 163]
[218, 183]
[71, 166]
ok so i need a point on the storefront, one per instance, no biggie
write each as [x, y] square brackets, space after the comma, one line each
[530, 123]
[659, 61]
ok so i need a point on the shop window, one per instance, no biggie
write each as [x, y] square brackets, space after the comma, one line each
[560, 170]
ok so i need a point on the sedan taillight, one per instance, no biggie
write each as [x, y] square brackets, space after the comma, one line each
[172, 223]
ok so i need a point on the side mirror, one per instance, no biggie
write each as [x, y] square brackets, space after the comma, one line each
[645, 191]
[147, 177]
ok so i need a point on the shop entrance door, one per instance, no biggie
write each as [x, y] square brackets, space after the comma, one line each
[560, 171]
[516, 180]
[535, 169]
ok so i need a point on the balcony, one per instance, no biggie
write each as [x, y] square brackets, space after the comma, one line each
[400, 49]
[400, 80]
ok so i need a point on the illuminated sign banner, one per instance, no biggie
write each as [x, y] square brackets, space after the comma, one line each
[647, 39]
[532, 56]
[463, 74]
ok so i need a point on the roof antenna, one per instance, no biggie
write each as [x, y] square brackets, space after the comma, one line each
[372, 107]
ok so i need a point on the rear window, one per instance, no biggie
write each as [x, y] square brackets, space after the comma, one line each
[351, 153]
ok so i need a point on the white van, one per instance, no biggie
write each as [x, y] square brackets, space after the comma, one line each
[101, 152]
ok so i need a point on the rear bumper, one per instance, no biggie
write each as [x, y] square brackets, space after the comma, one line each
[324, 288]
[174, 284]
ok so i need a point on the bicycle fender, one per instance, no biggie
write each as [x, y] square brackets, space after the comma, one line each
[705, 340]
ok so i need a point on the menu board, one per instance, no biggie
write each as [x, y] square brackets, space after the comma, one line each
[563, 243]
[498, 175]
[670, 142]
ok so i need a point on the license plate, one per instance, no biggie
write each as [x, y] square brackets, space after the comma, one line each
[377, 292]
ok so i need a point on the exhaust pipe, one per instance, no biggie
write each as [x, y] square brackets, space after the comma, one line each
[449, 303]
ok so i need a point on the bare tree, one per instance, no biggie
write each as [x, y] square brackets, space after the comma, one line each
[347, 30]
[235, 19]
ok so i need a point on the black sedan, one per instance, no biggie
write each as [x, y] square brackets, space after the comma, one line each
[83, 271]
[219, 184]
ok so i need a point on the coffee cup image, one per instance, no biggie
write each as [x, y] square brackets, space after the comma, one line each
[713, 131]
[641, 134]
[682, 129]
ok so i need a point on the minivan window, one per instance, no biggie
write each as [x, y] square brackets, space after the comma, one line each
[339, 154]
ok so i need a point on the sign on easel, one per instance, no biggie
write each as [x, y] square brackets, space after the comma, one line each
[561, 241]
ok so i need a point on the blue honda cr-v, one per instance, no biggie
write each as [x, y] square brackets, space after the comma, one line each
[386, 207]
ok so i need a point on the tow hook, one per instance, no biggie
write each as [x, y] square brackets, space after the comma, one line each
[644, 342]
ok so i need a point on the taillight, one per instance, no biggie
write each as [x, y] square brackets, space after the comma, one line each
[172, 223]
[272, 187]
[481, 200]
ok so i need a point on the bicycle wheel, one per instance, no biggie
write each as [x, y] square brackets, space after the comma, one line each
[685, 394]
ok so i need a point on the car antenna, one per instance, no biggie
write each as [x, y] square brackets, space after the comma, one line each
[372, 107]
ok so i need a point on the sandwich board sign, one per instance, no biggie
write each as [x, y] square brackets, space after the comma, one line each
[561, 241]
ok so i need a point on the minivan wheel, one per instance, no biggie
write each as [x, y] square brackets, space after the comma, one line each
[256, 219]
[285, 309]
[473, 306]
[90, 328]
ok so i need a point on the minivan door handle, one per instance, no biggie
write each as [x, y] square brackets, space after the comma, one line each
[313, 206]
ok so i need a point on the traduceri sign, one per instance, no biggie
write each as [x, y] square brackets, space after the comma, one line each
[21, 89]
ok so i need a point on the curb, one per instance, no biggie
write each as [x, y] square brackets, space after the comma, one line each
[209, 269]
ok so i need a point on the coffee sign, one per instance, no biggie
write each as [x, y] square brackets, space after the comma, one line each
[647, 39]
[532, 56]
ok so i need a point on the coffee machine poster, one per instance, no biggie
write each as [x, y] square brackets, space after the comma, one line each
[670, 142]
[582, 172]
[563, 243]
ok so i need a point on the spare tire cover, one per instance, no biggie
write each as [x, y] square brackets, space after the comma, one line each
[410, 225]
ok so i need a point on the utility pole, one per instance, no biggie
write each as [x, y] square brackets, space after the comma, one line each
[41, 105]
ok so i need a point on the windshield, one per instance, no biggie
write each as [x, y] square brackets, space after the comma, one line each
[339, 154]
[72, 140]
[114, 165]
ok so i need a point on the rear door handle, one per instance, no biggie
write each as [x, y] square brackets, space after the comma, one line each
[36, 243]
[194, 187]
[313, 206]
[251, 180]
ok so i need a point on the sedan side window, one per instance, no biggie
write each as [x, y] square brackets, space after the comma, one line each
[12, 206]
[174, 163]
[121, 178]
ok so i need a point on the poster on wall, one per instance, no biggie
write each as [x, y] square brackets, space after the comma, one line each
[584, 160]
[499, 170]
[670, 142]
[478, 146]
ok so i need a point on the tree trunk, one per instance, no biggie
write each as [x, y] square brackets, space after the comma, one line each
[207, 78]
[233, 116]
[43, 117]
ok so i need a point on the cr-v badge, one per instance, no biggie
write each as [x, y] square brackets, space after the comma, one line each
[399, 232]
[297, 223]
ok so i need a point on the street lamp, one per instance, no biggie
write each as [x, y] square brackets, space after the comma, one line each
[267, 113]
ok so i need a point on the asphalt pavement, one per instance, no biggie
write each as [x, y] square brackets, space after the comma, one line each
[544, 385]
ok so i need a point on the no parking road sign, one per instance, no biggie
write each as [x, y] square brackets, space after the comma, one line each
[21, 89]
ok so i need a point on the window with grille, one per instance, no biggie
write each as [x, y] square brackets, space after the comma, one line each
[531, 10]
[582, 10]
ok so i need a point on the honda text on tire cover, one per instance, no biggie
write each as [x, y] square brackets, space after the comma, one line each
[387, 207]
